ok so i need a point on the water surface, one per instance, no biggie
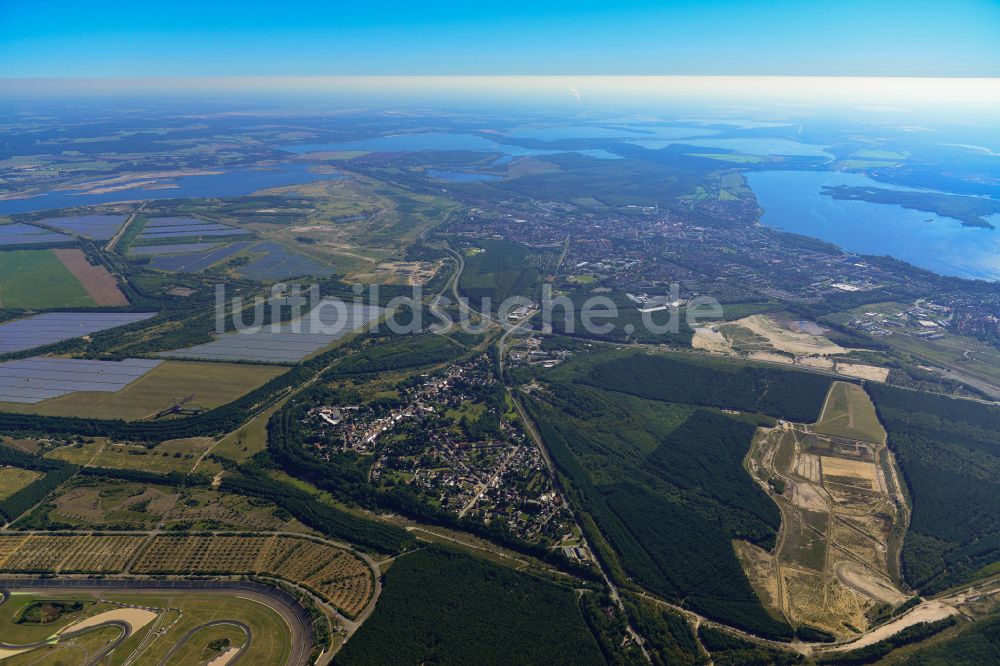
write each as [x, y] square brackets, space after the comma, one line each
[231, 184]
[793, 201]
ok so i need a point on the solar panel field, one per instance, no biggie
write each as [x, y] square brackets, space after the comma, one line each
[32, 380]
[95, 227]
[194, 262]
[38, 279]
[209, 385]
[13, 235]
[182, 248]
[289, 342]
[52, 327]
[280, 263]
[175, 227]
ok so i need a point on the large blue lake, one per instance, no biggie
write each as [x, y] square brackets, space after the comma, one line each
[402, 143]
[793, 201]
[231, 184]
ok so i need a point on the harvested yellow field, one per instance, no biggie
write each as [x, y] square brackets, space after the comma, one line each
[854, 469]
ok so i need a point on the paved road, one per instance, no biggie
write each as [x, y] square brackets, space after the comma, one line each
[295, 616]
[216, 623]
[125, 627]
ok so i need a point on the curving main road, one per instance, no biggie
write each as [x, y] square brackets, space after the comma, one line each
[285, 605]
[215, 623]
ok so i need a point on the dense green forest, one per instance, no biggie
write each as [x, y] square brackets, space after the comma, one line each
[729, 650]
[442, 607]
[783, 393]
[666, 486]
[386, 353]
[949, 453]
[500, 270]
[668, 636]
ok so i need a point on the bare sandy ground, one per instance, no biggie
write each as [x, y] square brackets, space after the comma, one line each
[856, 578]
[929, 611]
[98, 282]
[768, 356]
[710, 340]
[225, 657]
[137, 618]
[860, 371]
[7, 652]
[792, 342]
[807, 496]
[818, 362]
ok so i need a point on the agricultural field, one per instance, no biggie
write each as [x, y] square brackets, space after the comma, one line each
[441, 606]
[13, 479]
[209, 384]
[38, 553]
[38, 279]
[337, 575]
[162, 618]
[849, 412]
[52, 327]
[99, 283]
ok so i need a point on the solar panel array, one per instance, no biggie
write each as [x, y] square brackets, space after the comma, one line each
[95, 227]
[194, 262]
[52, 327]
[12, 235]
[33, 380]
[279, 263]
[291, 342]
[166, 228]
[182, 248]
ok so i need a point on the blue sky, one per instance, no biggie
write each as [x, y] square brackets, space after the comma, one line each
[289, 37]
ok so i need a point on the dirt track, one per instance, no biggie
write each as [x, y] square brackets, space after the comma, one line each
[96, 280]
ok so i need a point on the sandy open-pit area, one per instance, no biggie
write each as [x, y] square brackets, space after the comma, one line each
[792, 342]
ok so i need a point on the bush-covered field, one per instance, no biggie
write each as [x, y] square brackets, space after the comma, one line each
[949, 453]
[441, 607]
